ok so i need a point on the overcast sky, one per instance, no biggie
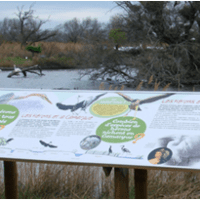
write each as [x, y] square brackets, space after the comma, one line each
[61, 11]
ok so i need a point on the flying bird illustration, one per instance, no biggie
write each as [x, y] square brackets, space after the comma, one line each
[6, 98]
[83, 104]
[136, 102]
[47, 144]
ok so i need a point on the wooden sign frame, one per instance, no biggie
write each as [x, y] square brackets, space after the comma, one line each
[121, 182]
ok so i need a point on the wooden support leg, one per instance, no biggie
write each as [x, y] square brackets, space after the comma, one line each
[140, 183]
[10, 180]
[121, 184]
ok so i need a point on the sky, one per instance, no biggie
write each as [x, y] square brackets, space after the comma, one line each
[61, 11]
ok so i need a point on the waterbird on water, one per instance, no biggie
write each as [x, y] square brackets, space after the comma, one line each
[18, 70]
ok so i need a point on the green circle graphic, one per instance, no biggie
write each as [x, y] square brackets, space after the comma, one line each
[120, 129]
[109, 107]
[8, 114]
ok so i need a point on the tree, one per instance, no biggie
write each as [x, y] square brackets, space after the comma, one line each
[10, 29]
[118, 36]
[30, 27]
[86, 31]
[73, 30]
[173, 30]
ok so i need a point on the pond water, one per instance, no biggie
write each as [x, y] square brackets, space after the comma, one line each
[68, 79]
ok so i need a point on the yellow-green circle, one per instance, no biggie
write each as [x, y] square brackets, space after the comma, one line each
[109, 107]
[120, 129]
[8, 114]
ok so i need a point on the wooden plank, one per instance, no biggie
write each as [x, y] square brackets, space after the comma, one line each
[10, 180]
[121, 183]
[140, 176]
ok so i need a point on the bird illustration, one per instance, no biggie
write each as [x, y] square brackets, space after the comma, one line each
[3, 141]
[125, 150]
[83, 104]
[6, 98]
[110, 150]
[136, 102]
[47, 144]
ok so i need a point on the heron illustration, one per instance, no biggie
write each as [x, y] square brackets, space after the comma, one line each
[136, 102]
[6, 98]
[83, 104]
[125, 150]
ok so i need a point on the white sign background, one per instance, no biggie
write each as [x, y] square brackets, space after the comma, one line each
[65, 126]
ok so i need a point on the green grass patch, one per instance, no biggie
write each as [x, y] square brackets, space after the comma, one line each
[15, 60]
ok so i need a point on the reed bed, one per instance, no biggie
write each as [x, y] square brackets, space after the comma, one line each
[74, 182]
[57, 53]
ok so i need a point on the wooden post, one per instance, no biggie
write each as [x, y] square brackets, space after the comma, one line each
[140, 176]
[121, 184]
[10, 180]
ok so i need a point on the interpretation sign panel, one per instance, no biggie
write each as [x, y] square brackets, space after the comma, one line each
[104, 127]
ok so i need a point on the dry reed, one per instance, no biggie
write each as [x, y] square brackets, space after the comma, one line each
[102, 87]
[122, 87]
[156, 85]
[150, 79]
[139, 86]
[165, 88]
